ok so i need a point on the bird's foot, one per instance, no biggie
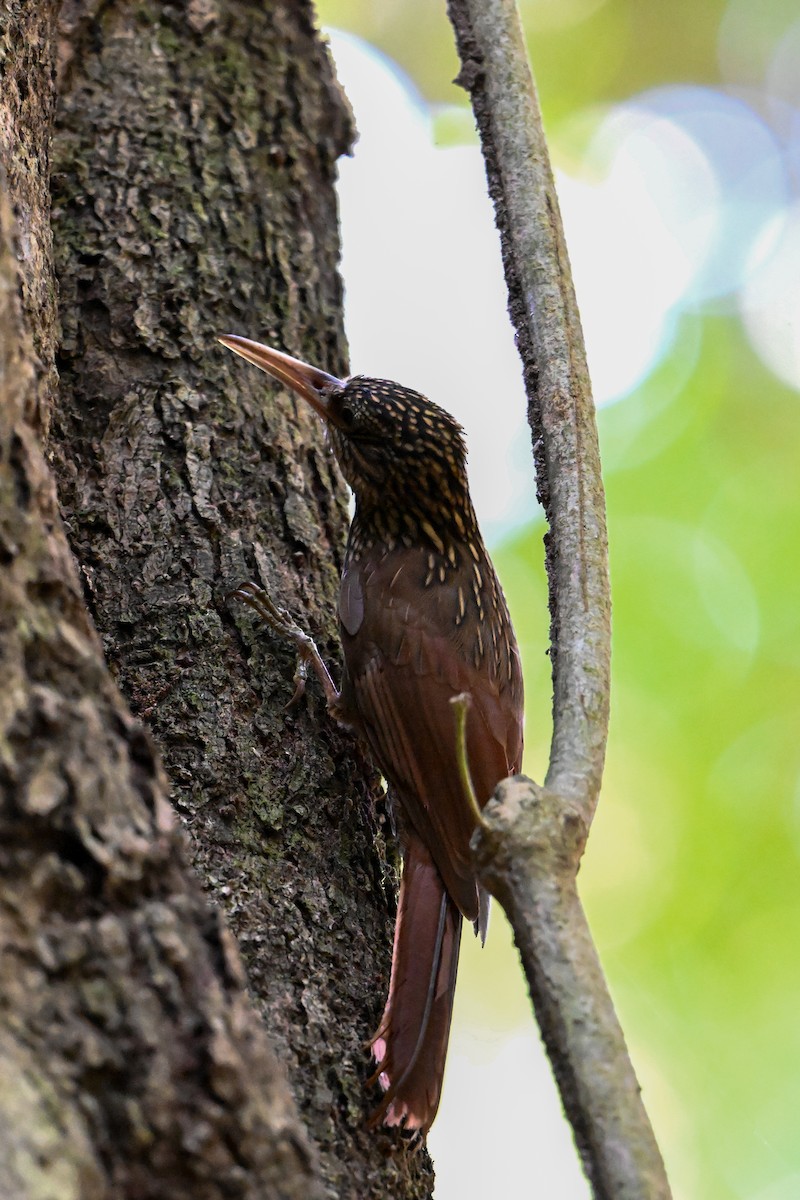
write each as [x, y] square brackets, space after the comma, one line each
[284, 624]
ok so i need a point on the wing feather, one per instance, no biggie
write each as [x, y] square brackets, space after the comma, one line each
[402, 670]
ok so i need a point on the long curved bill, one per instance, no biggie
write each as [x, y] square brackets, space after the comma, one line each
[309, 382]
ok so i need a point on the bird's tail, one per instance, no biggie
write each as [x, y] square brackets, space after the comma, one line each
[411, 1043]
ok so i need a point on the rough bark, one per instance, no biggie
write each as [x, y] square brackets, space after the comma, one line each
[193, 167]
[132, 1062]
[27, 94]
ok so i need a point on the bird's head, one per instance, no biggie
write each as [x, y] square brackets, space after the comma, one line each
[393, 444]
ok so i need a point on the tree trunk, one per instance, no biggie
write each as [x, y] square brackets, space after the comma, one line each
[192, 180]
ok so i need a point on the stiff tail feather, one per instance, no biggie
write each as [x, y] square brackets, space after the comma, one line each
[411, 1043]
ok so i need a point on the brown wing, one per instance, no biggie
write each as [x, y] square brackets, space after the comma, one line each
[410, 644]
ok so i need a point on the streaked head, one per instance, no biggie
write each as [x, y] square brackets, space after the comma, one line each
[393, 444]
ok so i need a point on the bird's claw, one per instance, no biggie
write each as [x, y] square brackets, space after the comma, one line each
[262, 603]
[284, 624]
[299, 681]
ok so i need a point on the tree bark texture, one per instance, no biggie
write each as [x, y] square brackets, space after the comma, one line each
[27, 96]
[132, 1062]
[193, 194]
[193, 164]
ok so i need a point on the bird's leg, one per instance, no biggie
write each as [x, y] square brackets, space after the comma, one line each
[307, 653]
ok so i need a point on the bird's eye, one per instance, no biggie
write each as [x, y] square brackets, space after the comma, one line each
[346, 416]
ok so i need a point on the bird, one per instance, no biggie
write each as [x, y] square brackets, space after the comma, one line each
[422, 619]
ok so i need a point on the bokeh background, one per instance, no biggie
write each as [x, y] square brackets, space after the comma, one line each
[675, 134]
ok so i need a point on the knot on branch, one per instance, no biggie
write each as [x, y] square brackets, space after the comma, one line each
[471, 74]
[473, 70]
[527, 827]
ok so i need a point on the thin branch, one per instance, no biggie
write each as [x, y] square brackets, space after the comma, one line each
[526, 851]
[542, 303]
[529, 849]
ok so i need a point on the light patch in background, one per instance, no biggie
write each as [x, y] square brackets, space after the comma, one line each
[425, 297]
[746, 160]
[753, 764]
[488, 1139]
[425, 300]
[787, 1188]
[694, 213]
[782, 75]
[676, 208]
[760, 44]
[640, 225]
[770, 301]
[747, 35]
[727, 594]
